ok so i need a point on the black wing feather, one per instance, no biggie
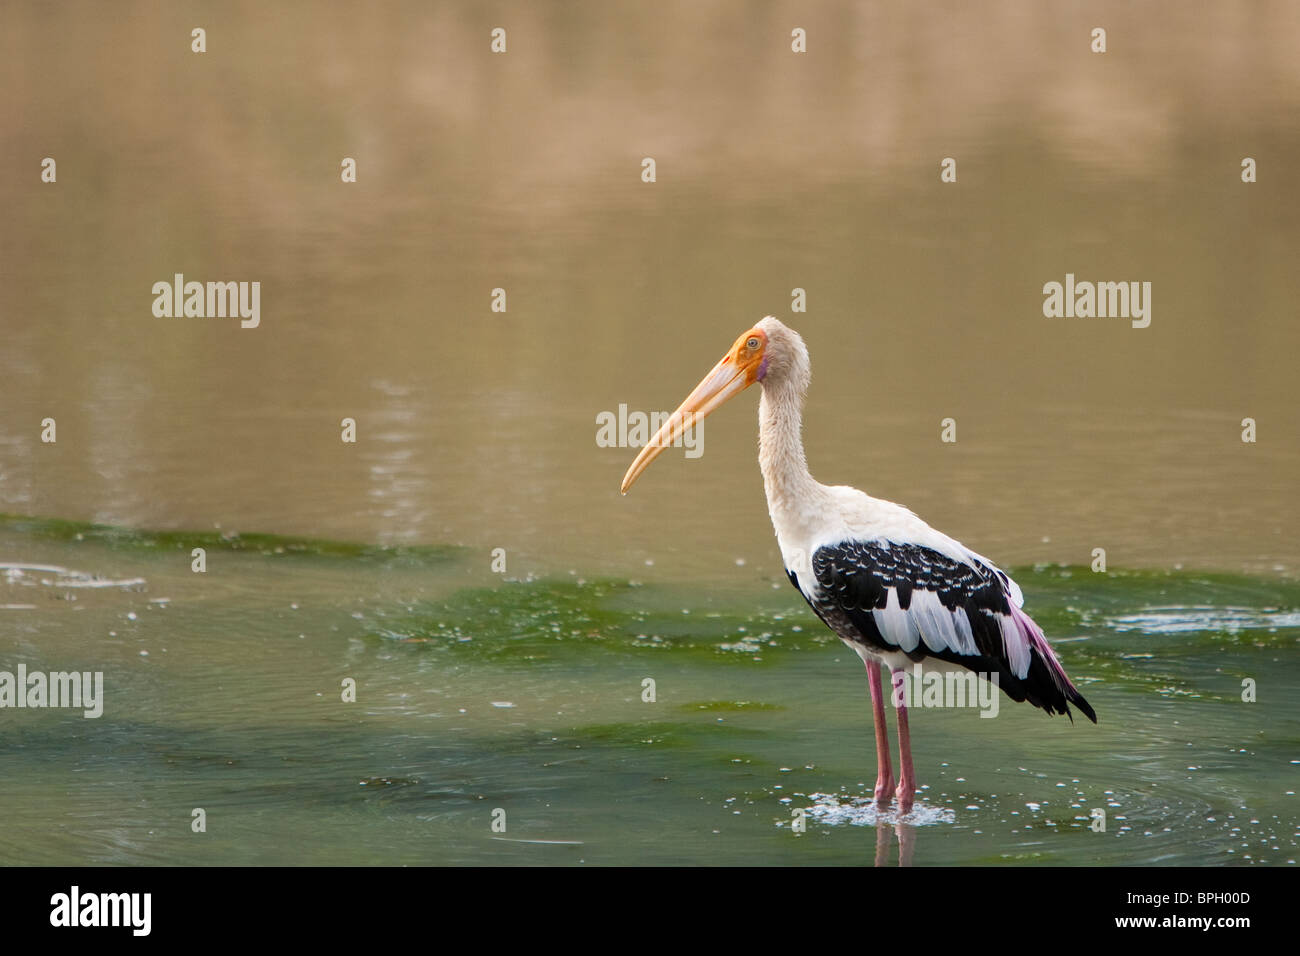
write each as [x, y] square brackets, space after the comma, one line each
[856, 577]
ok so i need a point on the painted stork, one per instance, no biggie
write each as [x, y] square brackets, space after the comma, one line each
[891, 587]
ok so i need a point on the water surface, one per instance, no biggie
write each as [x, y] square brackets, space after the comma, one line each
[224, 691]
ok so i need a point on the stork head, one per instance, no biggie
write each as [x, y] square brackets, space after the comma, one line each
[768, 353]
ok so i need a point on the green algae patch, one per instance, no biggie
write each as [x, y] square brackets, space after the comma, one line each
[728, 706]
[1139, 630]
[554, 619]
[267, 545]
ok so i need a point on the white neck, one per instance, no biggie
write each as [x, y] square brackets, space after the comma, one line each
[794, 499]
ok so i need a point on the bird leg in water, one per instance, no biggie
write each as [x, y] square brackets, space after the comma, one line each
[907, 778]
[884, 772]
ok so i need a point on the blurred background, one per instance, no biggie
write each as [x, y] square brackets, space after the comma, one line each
[775, 171]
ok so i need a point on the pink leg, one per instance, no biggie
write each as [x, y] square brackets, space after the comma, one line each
[884, 772]
[907, 778]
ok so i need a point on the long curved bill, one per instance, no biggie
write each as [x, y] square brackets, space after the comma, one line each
[721, 384]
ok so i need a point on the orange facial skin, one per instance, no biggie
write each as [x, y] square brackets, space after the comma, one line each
[749, 354]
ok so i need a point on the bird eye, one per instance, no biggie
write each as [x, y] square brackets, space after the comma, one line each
[752, 344]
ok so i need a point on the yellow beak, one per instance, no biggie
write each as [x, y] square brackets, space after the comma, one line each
[726, 380]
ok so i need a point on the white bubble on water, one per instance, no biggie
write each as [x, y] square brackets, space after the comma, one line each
[840, 810]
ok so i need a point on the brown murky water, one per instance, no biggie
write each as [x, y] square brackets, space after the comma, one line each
[775, 171]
